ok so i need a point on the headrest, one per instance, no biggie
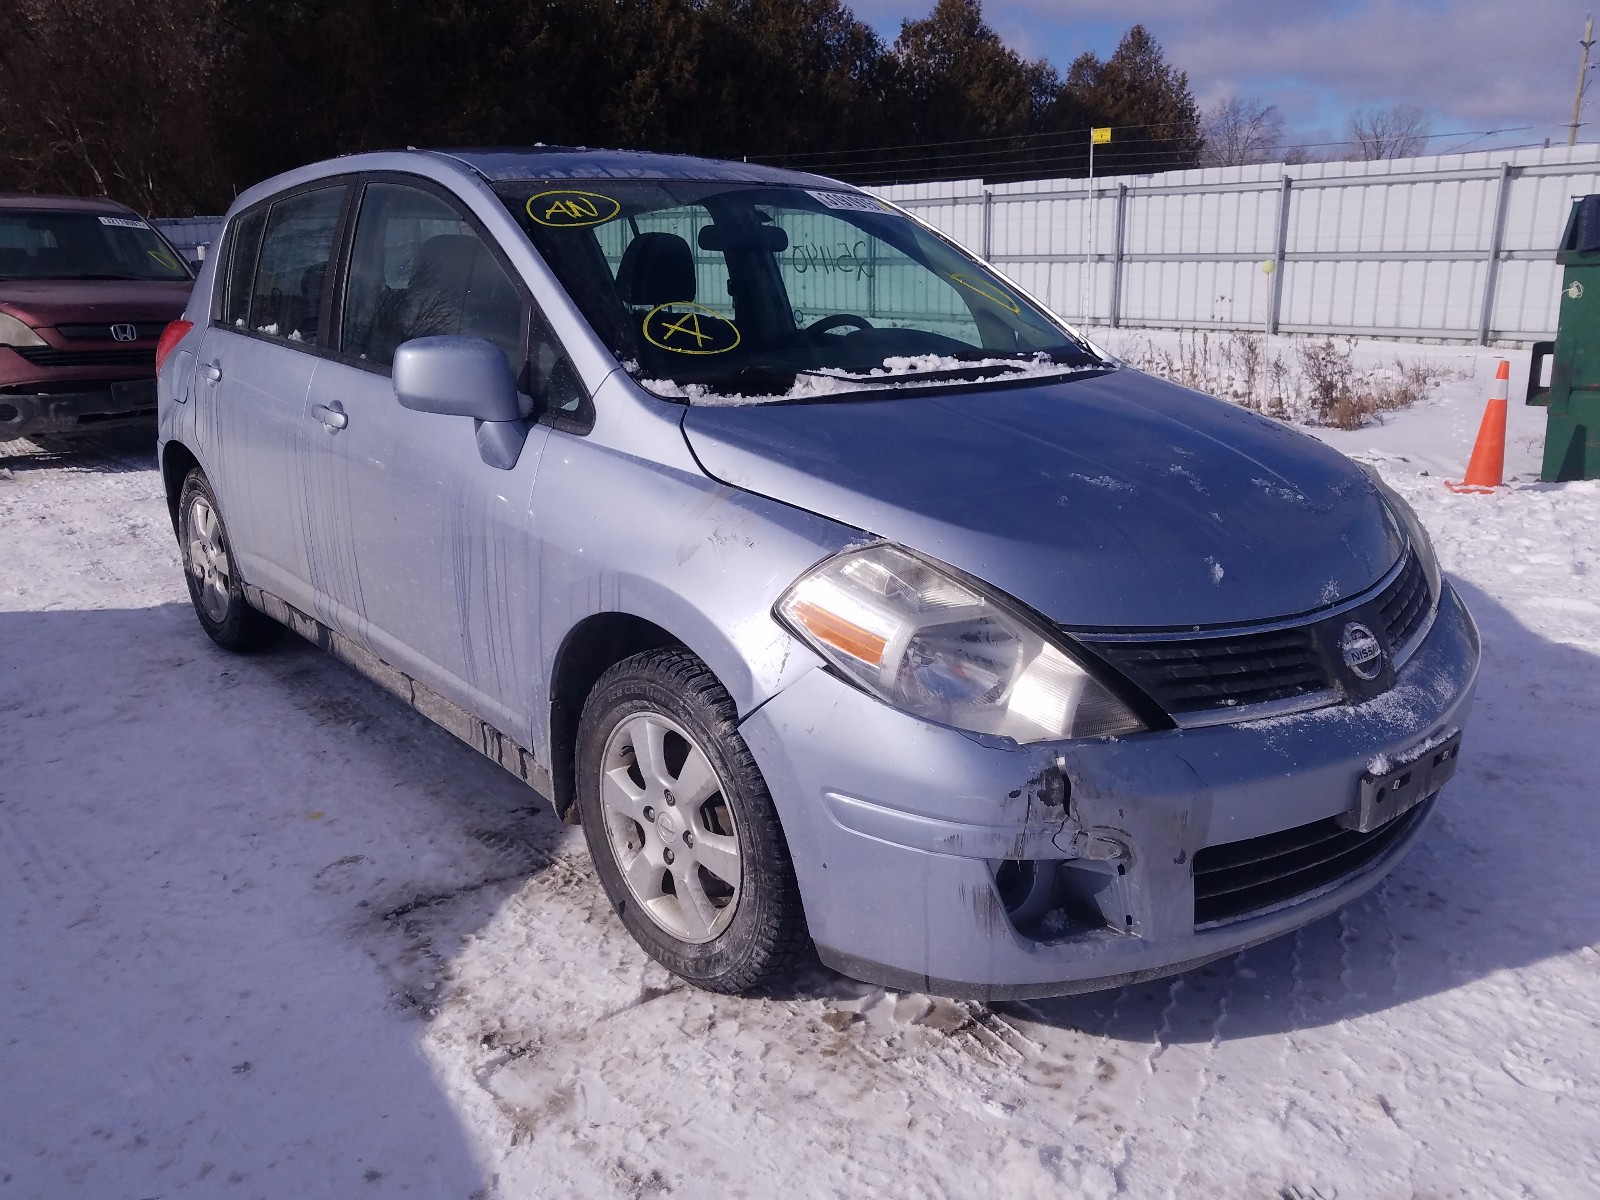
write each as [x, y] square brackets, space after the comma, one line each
[656, 268]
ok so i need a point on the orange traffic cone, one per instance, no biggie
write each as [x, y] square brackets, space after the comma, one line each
[1486, 467]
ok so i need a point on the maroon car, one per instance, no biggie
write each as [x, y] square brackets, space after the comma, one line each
[86, 287]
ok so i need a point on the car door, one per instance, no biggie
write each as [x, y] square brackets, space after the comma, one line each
[419, 549]
[255, 366]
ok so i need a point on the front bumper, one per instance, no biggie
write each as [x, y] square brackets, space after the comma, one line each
[99, 406]
[897, 828]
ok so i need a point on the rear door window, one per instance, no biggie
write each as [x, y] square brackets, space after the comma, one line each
[288, 293]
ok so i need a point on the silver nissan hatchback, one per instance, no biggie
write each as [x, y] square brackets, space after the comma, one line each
[844, 595]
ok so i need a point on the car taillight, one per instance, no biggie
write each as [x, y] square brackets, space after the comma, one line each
[170, 337]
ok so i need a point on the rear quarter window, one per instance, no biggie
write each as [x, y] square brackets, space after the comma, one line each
[244, 246]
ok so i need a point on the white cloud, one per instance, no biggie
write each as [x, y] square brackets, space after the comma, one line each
[1469, 64]
[1472, 64]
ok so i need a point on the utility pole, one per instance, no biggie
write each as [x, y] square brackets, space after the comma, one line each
[1583, 77]
[1098, 136]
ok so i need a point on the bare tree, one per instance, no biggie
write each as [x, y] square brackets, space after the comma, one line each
[1238, 132]
[1399, 131]
[98, 97]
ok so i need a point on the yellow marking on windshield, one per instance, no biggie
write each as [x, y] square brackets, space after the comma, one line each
[988, 291]
[165, 259]
[688, 323]
[567, 208]
[696, 331]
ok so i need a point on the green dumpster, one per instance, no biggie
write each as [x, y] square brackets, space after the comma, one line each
[1572, 429]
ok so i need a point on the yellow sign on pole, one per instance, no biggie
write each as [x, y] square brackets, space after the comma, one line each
[1100, 136]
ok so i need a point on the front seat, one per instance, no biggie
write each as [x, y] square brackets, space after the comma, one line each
[656, 268]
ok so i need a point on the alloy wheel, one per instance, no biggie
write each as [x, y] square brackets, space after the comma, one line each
[208, 558]
[670, 828]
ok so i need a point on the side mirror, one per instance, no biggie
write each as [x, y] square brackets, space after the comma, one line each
[464, 377]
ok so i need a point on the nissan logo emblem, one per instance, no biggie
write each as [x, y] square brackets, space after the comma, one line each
[1361, 651]
[125, 333]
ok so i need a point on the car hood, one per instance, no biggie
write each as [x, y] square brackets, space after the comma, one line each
[1108, 500]
[47, 302]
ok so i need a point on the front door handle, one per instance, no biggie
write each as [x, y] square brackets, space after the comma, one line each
[213, 372]
[331, 415]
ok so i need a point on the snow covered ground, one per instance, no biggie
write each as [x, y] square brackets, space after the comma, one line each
[266, 933]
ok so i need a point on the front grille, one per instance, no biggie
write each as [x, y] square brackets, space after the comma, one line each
[1239, 878]
[101, 331]
[1404, 603]
[1218, 673]
[49, 356]
[1196, 674]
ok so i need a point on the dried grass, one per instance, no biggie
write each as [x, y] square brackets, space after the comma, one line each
[1314, 382]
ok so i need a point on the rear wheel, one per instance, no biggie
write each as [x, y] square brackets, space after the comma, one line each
[681, 826]
[215, 589]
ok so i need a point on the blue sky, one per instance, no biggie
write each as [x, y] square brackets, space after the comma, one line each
[1471, 65]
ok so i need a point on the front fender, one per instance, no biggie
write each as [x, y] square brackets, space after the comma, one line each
[627, 523]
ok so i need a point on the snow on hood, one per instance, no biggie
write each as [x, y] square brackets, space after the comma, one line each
[1110, 499]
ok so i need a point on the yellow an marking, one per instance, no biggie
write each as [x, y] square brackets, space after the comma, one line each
[576, 209]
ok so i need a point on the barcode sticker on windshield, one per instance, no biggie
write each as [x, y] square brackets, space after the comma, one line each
[851, 200]
[123, 222]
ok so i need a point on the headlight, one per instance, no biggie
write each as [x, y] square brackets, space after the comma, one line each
[14, 333]
[1416, 532]
[938, 647]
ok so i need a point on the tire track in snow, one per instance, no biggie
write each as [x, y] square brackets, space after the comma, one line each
[940, 1061]
[1290, 1043]
[1382, 901]
[1183, 1179]
[1118, 1081]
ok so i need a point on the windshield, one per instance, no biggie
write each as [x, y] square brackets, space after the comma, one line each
[705, 289]
[37, 244]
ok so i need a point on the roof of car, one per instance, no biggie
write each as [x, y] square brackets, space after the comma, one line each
[62, 203]
[581, 162]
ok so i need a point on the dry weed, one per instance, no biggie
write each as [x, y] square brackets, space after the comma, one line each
[1318, 383]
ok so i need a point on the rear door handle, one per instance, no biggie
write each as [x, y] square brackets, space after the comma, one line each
[331, 415]
[213, 372]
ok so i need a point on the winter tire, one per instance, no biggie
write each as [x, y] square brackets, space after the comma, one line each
[681, 827]
[213, 577]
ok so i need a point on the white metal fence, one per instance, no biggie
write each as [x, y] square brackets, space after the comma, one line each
[193, 236]
[1452, 247]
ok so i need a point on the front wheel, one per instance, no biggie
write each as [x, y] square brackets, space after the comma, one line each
[213, 576]
[681, 827]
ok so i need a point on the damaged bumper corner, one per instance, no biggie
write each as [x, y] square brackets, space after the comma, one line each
[108, 406]
[938, 861]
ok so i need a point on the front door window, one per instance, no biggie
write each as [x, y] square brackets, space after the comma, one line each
[419, 269]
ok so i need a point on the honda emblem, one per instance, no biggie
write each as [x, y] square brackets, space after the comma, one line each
[125, 333]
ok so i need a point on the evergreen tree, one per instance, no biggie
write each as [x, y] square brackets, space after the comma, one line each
[950, 79]
[1146, 101]
[177, 105]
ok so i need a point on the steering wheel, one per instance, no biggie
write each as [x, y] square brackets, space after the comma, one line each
[837, 321]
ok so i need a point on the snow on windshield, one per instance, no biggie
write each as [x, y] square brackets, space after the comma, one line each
[895, 373]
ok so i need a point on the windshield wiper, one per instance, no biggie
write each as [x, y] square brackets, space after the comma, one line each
[1064, 356]
[754, 381]
[945, 374]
